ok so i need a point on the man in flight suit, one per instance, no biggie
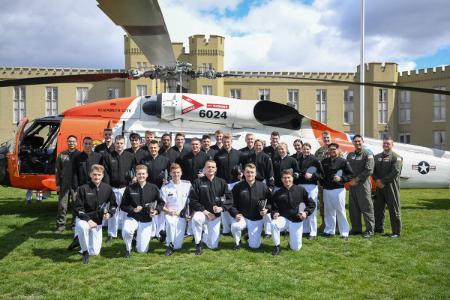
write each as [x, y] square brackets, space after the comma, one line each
[388, 166]
[360, 193]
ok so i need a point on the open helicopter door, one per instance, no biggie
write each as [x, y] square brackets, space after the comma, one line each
[13, 157]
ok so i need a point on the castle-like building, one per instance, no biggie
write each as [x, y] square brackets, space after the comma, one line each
[410, 117]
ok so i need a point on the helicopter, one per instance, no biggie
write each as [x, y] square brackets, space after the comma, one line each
[28, 160]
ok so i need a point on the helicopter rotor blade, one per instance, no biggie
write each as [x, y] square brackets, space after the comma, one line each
[381, 85]
[62, 79]
[143, 21]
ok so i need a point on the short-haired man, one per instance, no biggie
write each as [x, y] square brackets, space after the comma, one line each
[192, 163]
[291, 205]
[219, 136]
[263, 163]
[321, 154]
[148, 136]
[337, 171]
[175, 195]
[206, 146]
[251, 203]
[119, 172]
[136, 149]
[83, 162]
[108, 144]
[141, 202]
[63, 175]
[272, 149]
[250, 141]
[388, 166]
[209, 197]
[180, 141]
[94, 203]
[360, 193]
[166, 148]
[158, 169]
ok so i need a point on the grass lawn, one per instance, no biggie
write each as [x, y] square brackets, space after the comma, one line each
[34, 262]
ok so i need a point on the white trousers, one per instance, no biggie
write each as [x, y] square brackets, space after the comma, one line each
[143, 236]
[254, 231]
[334, 201]
[212, 235]
[159, 223]
[267, 221]
[175, 227]
[90, 238]
[310, 224]
[226, 221]
[116, 221]
[295, 232]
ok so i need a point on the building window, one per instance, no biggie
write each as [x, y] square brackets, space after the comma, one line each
[293, 98]
[404, 107]
[141, 90]
[439, 139]
[144, 65]
[404, 138]
[439, 105]
[19, 109]
[51, 101]
[113, 93]
[349, 107]
[235, 93]
[138, 65]
[207, 89]
[382, 106]
[264, 94]
[321, 105]
[82, 95]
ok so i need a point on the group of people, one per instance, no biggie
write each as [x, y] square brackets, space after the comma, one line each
[164, 191]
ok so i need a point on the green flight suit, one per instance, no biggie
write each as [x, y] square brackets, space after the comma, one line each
[360, 195]
[388, 167]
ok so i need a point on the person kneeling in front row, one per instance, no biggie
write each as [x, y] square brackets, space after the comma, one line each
[94, 203]
[290, 206]
[141, 202]
[249, 208]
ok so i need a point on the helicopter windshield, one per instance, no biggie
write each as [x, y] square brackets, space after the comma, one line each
[37, 149]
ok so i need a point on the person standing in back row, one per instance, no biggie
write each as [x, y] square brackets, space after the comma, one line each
[63, 175]
[388, 166]
[360, 192]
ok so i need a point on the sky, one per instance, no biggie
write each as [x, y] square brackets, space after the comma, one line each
[260, 35]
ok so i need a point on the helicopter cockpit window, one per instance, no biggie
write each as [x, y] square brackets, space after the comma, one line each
[37, 148]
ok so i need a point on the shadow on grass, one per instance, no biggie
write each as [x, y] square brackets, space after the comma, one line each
[438, 203]
[58, 255]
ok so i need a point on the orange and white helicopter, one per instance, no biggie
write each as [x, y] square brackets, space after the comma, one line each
[29, 161]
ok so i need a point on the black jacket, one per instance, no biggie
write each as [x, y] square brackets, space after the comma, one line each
[226, 161]
[283, 164]
[158, 168]
[119, 168]
[171, 154]
[249, 200]
[273, 153]
[103, 149]
[135, 196]
[215, 147]
[205, 194]
[286, 202]
[64, 169]
[304, 163]
[92, 202]
[191, 164]
[82, 164]
[138, 155]
[264, 167]
[330, 168]
[182, 152]
[210, 153]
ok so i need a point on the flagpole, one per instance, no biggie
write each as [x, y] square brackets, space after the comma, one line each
[362, 70]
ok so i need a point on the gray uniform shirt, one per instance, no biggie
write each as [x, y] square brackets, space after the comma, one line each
[388, 167]
[362, 164]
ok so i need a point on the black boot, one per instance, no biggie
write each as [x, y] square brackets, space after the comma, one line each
[198, 249]
[85, 258]
[276, 250]
[75, 244]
